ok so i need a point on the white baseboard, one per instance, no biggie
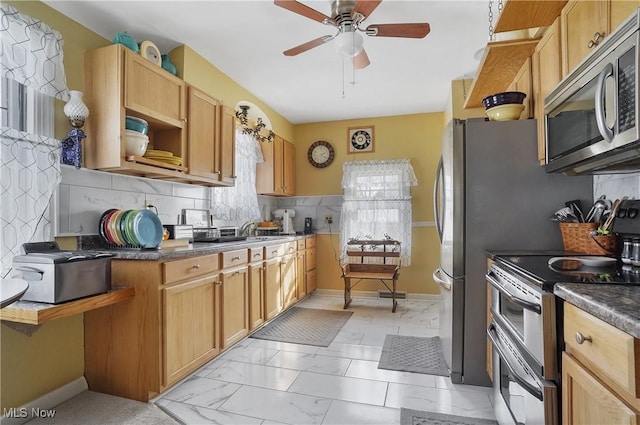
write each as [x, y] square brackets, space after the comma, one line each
[44, 404]
[374, 294]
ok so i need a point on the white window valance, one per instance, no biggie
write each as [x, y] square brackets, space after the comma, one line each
[377, 202]
[32, 53]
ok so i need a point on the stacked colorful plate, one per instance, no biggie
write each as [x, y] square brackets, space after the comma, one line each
[163, 156]
[130, 228]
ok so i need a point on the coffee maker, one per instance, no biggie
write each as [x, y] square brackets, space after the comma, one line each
[286, 219]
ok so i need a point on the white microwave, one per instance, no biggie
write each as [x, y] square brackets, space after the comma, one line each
[591, 117]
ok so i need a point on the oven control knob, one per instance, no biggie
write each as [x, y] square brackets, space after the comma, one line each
[633, 213]
[580, 339]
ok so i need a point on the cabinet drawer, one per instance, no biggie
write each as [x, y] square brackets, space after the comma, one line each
[234, 258]
[188, 268]
[310, 242]
[256, 254]
[607, 351]
[273, 251]
[290, 248]
[302, 244]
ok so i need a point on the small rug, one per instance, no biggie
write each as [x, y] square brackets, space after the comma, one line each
[413, 354]
[417, 417]
[305, 326]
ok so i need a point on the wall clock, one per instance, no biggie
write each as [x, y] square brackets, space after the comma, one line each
[360, 139]
[320, 154]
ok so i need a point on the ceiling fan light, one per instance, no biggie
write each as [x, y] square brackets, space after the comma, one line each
[349, 43]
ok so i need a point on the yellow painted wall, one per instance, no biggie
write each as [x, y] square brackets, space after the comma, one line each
[196, 70]
[416, 137]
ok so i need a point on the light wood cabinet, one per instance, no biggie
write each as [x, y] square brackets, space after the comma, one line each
[137, 349]
[288, 274]
[190, 327]
[547, 73]
[620, 10]
[301, 285]
[256, 292]
[583, 25]
[119, 82]
[276, 175]
[310, 264]
[599, 371]
[234, 305]
[523, 83]
[272, 288]
[203, 128]
[227, 143]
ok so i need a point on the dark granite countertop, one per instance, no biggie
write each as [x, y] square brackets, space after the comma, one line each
[617, 305]
[194, 249]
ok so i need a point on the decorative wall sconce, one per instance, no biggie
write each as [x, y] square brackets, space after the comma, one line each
[77, 112]
[259, 131]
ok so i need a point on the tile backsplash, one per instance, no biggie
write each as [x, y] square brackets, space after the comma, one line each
[84, 195]
[616, 186]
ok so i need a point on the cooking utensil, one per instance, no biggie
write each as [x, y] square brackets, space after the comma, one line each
[576, 206]
[565, 215]
[605, 229]
[595, 213]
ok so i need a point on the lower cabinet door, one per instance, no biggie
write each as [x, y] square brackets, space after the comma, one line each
[234, 295]
[300, 274]
[190, 327]
[288, 274]
[585, 400]
[272, 288]
[311, 281]
[256, 295]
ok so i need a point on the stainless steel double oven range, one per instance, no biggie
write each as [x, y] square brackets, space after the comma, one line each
[526, 332]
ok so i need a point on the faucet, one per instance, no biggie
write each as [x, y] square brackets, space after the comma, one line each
[248, 228]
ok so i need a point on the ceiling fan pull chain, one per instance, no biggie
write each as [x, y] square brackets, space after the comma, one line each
[343, 60]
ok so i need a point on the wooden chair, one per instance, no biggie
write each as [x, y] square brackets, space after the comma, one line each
[371, 260]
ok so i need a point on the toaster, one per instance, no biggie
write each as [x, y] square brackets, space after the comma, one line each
[56, 276]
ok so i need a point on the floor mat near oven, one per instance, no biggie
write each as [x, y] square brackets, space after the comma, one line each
[418, 417]
[413, 354]
[305, 326]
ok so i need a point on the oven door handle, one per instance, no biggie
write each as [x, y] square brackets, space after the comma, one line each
[522, 303]
[601, 121]
[493, 336]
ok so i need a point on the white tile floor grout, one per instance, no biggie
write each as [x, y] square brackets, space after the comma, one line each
[269, 383]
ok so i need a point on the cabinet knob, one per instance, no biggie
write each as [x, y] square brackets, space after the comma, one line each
[580, 339]
[257, 255]
[183, 120]
[235, 258]
[195, 266]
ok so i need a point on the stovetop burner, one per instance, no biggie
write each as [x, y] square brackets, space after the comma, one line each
[537, 269]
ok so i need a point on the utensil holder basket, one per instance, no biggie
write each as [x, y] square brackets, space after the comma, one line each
[578, 237]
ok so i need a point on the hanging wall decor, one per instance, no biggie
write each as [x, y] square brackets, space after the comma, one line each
[360, 139]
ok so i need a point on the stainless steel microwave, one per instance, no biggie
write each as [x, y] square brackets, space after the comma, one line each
[591, 116]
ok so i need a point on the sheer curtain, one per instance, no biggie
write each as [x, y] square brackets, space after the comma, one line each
[239, 204]
[29, 157]
[377, 202]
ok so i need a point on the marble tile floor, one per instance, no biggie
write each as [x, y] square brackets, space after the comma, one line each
[270, 383]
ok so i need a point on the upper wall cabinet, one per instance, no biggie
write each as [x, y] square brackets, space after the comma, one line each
[276, 175]
[119, 82]
[211, 138]
[583, 25]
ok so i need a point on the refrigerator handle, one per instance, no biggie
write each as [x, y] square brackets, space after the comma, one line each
[436, 277]
[436, 192]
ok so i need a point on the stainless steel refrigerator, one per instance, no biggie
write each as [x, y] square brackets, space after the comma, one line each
[490, 194]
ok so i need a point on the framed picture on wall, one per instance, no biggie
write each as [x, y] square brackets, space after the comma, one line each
[360, 139]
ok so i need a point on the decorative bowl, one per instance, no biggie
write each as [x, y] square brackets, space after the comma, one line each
[126, 39]
[508, 97]
[136, 124]
[508, 112]
[136, 143]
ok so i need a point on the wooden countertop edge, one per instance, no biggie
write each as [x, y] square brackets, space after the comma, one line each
[24, 313]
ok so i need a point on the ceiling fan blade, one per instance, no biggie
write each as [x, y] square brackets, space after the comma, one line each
[361, 60]
[365, 7]
[301, 9]
[308, 45]
[399, 30]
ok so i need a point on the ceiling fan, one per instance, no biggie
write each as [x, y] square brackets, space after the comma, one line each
[346, 17]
